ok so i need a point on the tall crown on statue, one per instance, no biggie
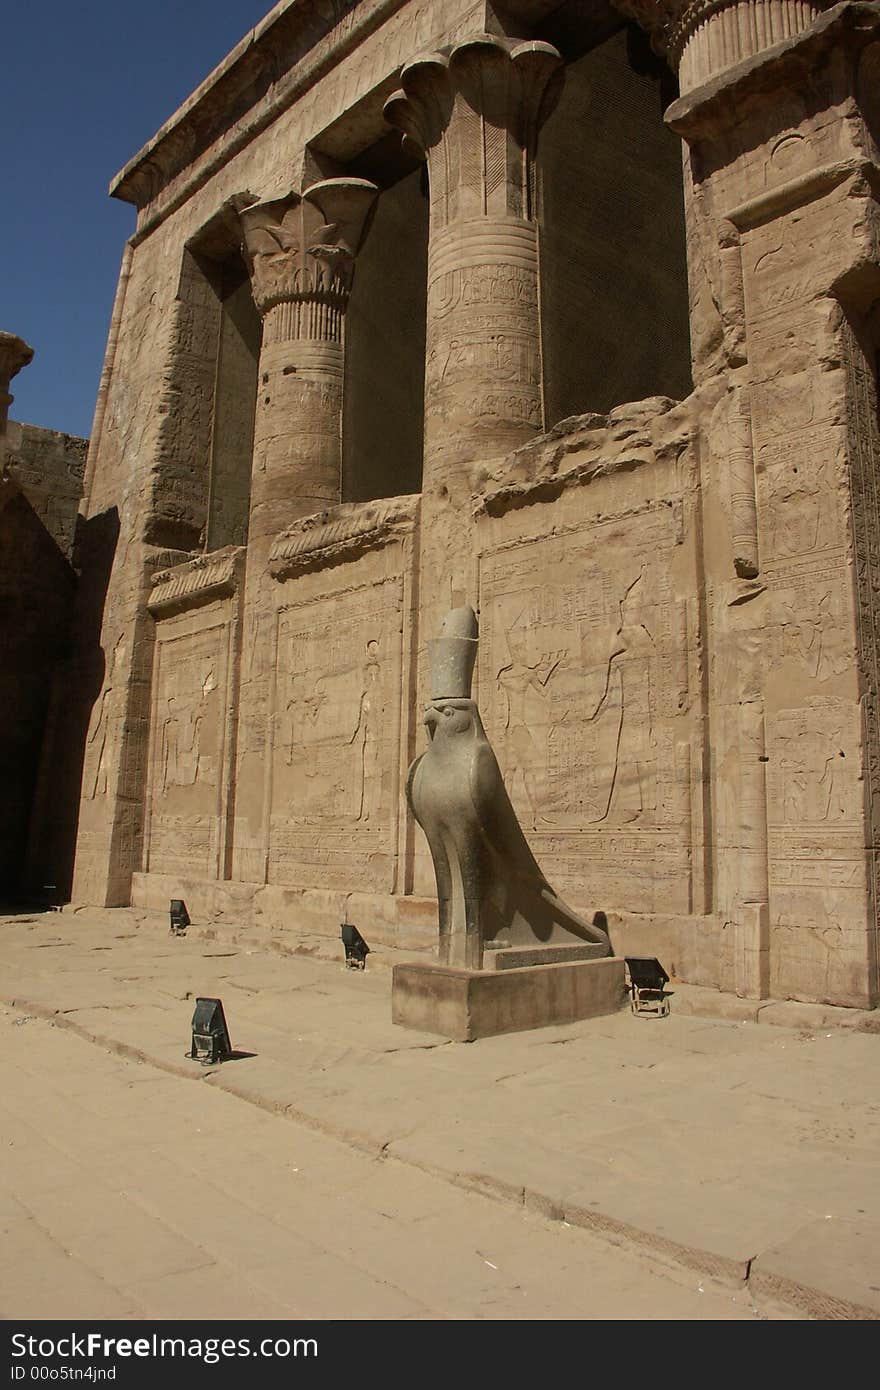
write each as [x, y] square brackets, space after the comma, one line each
[452, 655]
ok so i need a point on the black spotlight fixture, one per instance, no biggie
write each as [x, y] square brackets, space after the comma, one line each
[646, 980]
[210, 1036]
[179, 917]
[356, 949]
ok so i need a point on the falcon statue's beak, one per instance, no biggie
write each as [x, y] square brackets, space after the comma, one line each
[431, 720]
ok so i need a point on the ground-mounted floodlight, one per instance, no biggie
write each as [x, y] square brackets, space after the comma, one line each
[646, 980]
[210, 1036]
[356, 949]
[179, 917]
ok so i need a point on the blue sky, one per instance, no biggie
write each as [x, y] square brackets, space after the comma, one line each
[85, 85]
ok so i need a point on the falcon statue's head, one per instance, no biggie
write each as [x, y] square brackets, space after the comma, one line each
[445, 718]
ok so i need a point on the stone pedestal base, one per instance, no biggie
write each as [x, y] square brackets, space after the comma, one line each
[467, 1004]
[514, 957]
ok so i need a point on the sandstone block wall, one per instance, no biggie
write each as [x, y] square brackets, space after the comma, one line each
[675, 582]
[49, 467]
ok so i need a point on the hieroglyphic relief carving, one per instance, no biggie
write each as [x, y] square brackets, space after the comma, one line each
[181, 738]
[336, 758]
[583, 717]
[490, 360]
[814, 771]
[818, 946]
[188, 746]
[815, 796]
[783, 261]
[811, 637]
[797, 447]
[817, 869]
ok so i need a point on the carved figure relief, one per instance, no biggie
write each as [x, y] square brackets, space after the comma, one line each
[188, 742]
[335, 752]
[103, 737]
[525, 726]
[811, 634]
[575, 716]
[632, 791]
[181, 739]
[814, 767]
[369, 735]
[331, 740]
[584, 674]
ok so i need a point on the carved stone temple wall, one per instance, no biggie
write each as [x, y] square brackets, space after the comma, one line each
[569, 311]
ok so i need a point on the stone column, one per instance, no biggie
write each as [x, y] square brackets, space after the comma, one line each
[475, 117]
[300, 253]
[474, 114]
[703, 37]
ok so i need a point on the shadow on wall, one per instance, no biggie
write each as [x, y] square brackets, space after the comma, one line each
[76, 684]
[385, 350]
[36, 597]
[613, 262]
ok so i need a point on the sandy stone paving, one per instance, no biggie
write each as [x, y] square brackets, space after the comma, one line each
[128, 1193]
[735, 1150]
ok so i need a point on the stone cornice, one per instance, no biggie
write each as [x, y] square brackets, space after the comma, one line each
[295, 48]
[14, 354]
[289, 34]
[583, 448]
[342, 533]
[292, 49]
[197, 581]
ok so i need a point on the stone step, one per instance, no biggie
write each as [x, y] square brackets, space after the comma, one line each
[515, 957]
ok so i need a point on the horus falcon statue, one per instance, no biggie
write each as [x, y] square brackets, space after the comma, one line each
[490, 889]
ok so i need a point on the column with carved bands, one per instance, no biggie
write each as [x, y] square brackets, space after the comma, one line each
[301, 252]
[700, 38]
[474, 115]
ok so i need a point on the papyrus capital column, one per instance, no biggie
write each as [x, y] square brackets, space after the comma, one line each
[475, 116]
[700, 38]
[300, 253]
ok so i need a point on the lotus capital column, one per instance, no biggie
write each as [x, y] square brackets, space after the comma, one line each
[474, 115]
[300, 253]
